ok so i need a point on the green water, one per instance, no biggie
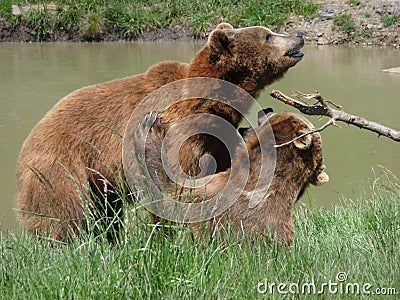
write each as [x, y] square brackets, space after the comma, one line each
[33, 77]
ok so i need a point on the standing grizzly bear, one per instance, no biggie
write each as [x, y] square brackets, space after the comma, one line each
[71, 162]
[298, 164]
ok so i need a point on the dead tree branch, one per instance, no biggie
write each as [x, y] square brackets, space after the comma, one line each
[321, 108]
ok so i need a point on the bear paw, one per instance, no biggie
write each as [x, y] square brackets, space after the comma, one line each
[150, 127]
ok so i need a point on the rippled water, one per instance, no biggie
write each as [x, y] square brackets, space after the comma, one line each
[35, 76]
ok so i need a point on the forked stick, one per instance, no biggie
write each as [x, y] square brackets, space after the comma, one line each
[321, 108]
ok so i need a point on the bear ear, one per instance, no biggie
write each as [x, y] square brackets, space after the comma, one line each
[219, 41]
[264, 114]
[305, 142]
[224, 25]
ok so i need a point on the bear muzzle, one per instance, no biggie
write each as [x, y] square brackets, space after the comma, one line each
[294, 43]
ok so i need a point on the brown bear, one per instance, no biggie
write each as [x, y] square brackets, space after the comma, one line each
[298, 164]
[71, 163]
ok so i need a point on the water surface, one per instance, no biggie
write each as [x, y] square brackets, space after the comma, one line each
[33, 77]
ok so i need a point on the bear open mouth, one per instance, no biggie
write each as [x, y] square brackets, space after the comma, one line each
[296, 53]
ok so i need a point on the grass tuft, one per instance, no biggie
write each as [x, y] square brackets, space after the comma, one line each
[129, 19]
[346, 23]
[389, 19]
[359, 239]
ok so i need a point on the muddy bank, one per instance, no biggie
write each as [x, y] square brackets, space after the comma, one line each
[24, 33]
[359, 22]
[351, 21]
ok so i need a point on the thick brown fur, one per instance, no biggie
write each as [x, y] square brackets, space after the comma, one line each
[71, 163]
[298, 164]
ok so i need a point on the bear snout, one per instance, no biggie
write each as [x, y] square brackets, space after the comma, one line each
[294, 44]
[290, 45]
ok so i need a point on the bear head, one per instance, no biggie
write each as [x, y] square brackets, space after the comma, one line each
[299, 151]
[250, 57]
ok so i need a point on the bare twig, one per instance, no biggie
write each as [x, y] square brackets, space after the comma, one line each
[322, 109]
[319, 98]
[330, 122]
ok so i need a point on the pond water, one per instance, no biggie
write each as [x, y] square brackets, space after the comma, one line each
[33, 77]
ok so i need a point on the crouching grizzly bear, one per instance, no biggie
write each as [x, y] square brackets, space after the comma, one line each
[71, 162]
[299, 162]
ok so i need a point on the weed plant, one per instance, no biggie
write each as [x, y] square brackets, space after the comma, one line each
[389, 19]
[346, 23]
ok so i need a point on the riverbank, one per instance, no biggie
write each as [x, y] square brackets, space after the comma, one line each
[349, 252]
[360, 22]
[99, 20]
[325, 22]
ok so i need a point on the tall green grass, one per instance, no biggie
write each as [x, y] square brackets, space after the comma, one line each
[129, 19]
[359, 241]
